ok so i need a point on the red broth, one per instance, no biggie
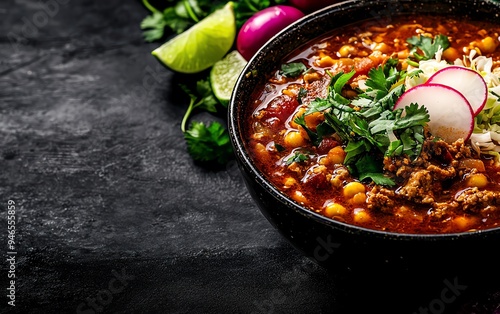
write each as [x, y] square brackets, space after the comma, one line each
[453, 190]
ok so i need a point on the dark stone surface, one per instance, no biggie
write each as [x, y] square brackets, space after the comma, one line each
[111, 213]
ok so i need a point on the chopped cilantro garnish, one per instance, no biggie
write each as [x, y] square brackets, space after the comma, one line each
[293, 69]
[176, 16]
[208, 143]
[279, 147]
[368, 125]
[302, 93]
[202, 98]
[427, 45]
[297, 157]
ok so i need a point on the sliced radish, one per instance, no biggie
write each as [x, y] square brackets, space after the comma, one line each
[450, 114]
[467, 81]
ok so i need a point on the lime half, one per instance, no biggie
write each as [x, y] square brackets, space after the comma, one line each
[199, 47]
[224, 74]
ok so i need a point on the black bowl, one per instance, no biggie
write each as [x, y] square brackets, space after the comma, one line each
[331, 243]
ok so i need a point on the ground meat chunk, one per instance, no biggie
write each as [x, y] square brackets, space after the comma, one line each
[440, 173]
[418, 188]
[476, 200]
[381, 199]
[441, 209]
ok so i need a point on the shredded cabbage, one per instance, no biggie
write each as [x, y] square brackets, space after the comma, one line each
[485, 138]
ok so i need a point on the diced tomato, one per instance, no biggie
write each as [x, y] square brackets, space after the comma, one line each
[281, 107]
[326, 144]
[316, 181]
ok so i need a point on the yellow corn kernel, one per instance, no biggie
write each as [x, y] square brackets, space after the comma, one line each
[288, 92]
[345, 51]
[488, 45]
[334, 209]
[289, 182]
[451, 54]
[359, 198]
[311, 77]
[294, 139]
[297, 114]
[299, 197]
[361, 215]
[326, 62]
[353, 188]
[336, 155]
[478, 180]
[382, 47]
[312, 120]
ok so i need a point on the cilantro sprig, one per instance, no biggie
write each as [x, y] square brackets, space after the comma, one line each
[427, 45]
[208, 143]
[176, 16]
[205, 143]
[368, 124]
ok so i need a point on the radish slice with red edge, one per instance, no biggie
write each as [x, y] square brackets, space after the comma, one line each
[467, 81]
[450, 114]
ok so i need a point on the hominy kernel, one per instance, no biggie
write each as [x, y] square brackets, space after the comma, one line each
[335, 209]
[336, 155]
[345, 51]
[488, 45]
[311, 77]
[353, 188]
[361, 215]
[359, 198]
[451, 54]
[297, 114]
[326, 62]
[294, 139]
[312, 120]
[382, 47]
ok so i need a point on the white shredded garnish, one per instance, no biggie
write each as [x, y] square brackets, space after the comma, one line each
[485, 138]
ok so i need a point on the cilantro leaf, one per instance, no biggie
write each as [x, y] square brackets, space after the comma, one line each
[176, 16]
[244, 9]
[293, 69]
[368, 167]
[153, 26]
[313, 136]
[208, 143]
[368, 125]
[296, 157]
[427, 45]
[203, 98]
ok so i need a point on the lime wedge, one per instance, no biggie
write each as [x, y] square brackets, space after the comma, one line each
[199, 47]
[224, 74]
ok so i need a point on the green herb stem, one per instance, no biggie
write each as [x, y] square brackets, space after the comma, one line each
[187, 114]
[190, 11]
[149, 6]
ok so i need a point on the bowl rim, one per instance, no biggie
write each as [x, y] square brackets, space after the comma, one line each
[246, 162]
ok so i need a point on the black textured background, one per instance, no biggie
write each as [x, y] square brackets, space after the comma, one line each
[112, 210]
